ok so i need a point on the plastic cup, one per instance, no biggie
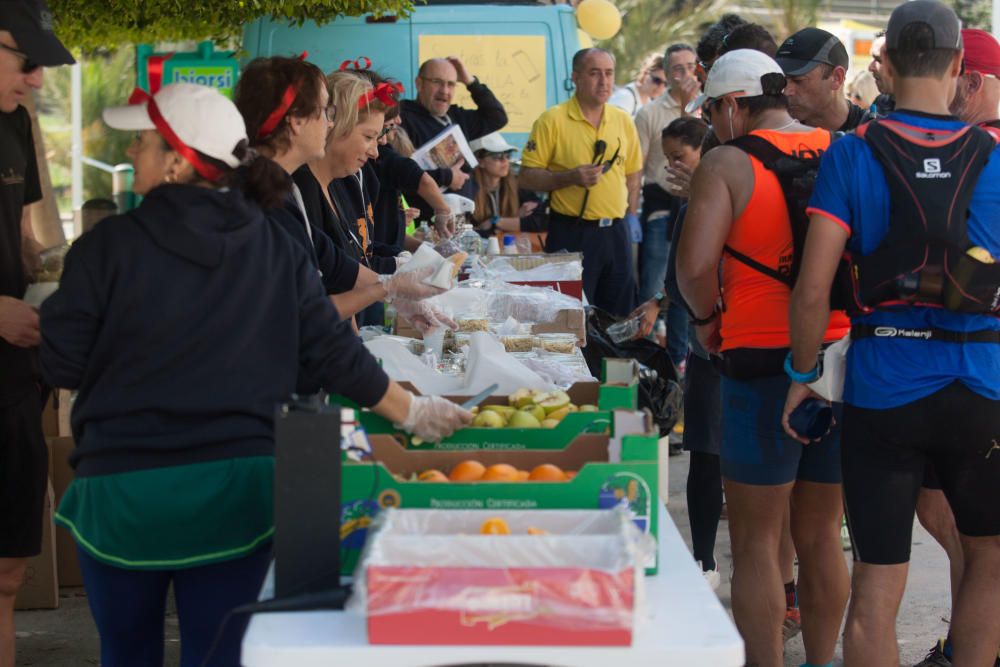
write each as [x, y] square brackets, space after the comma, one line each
[434, 341]
[493, 246]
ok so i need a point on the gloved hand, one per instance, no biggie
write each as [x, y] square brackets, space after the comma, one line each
[409, 285]
[634, 228]
[433, 418]
[402, 258]
[422, 316]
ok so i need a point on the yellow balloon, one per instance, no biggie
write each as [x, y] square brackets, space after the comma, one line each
[585, 41]
[599, 18]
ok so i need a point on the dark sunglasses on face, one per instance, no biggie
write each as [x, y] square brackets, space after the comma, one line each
[386, 129]
[28, 66]
[657, 81]
[498, 156]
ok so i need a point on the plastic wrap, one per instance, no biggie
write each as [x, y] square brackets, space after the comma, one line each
[445, 269]
[399, 363]
[513, 269]
[432, 576]
[488, 363]
[626, 330]
[527, 304]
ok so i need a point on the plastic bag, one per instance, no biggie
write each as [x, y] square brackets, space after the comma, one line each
[659, 390]
[577, 572]
[830, 384]
[487, 362]
[401, 365]
[527, 304]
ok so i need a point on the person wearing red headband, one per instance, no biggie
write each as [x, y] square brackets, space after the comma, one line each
[182, 324]
[293, 133]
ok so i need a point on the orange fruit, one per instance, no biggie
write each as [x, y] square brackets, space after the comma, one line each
[537, 531]
[432, 476]
[500, 472]
[522, 475]
[494, 526]
[570, 474]
[547, 473]
[467, 471]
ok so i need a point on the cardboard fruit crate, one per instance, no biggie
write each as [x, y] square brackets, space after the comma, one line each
[619, 470]
[432, 577]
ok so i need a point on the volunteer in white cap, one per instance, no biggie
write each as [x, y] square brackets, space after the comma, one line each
[737, 217]
[182, 324]
[500, 204]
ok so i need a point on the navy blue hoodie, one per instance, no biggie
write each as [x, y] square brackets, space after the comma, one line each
[182, 324]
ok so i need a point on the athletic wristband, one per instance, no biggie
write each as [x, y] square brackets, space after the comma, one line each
[493, 223]
[801, 378]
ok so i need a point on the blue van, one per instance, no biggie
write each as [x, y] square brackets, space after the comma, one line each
[523, 52]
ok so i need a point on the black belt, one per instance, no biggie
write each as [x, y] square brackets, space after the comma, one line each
[943, 335]
[573, 220]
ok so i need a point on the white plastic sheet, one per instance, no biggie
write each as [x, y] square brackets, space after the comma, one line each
[830, 384]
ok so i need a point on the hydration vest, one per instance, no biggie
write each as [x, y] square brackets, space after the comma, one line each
[923, 259]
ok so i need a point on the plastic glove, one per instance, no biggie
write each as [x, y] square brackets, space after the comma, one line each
[402, 258]
[409, 285]
[423, 317]
[634, 228]
[433, 418]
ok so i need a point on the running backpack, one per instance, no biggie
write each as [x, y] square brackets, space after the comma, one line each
[796, 175]
[926, 257]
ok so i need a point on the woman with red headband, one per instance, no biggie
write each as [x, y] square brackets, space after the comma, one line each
[183, 324]
[288, 114]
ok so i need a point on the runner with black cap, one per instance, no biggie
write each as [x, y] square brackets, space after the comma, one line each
[27, 46]
[923, 374]
[816, 63]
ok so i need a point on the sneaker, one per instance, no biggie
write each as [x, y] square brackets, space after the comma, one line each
[713, 577]
[792, 624]
[936, 657]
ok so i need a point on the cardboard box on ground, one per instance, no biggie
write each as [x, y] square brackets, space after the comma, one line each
[57, 564]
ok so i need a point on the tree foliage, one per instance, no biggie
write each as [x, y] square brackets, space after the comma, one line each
[93, 24]
[974, 13]
[649, 26]
[789, 16]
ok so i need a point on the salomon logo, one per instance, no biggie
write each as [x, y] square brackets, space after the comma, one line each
[932, 169]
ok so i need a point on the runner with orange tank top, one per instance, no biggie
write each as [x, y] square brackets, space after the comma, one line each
[741, 313]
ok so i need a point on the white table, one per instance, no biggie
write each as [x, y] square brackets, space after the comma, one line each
[688, 627]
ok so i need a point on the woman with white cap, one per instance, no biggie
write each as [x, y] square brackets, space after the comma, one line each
[182, 324]
[737, 219]
[500, 205]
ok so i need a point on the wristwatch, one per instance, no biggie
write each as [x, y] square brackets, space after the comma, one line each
[660, 299]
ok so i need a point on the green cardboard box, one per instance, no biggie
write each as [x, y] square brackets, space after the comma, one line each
[610, 470]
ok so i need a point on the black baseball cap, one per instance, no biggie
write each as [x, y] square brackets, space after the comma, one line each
[939, 17]
[810, 47]
[30, 23]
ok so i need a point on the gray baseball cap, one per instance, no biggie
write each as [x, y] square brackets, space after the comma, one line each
[939, 17]
[810, 47]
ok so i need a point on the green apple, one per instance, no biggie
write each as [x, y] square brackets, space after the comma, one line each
[488, 419]
[550, 423]
[523, 419]
[557, 400]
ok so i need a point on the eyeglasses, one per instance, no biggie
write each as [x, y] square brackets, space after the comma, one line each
[28, 66]
[498, 156]
[657, 81]
[330, 112]
[387, 128]
[441, 83]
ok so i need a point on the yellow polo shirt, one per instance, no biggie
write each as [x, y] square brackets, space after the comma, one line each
[562, 139]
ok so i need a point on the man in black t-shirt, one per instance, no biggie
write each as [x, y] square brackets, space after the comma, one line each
[815, 63]
[27, 45]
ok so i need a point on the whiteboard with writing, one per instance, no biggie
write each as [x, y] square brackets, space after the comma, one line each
[513, 66]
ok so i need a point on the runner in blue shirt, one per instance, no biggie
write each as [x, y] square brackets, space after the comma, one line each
[909, 402]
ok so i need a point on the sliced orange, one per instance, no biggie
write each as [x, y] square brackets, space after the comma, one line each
[467, 471]
[494, 526]
[432, 476]
[500, 472]
[547, 473]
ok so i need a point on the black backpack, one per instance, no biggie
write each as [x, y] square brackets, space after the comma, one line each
[797, 176]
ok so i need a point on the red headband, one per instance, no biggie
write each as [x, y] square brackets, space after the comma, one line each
[208, 171]
[275, 117]
[356, 64]
[386, 93]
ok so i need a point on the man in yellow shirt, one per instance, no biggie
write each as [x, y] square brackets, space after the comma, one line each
[586, 153]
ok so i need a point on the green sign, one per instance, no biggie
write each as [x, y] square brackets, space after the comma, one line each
[205, 67]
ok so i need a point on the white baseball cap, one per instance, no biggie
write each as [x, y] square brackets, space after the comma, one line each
[201, 117]
[738, 71]
[493, 143]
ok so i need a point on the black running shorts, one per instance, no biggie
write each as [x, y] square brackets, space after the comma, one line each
[885, 454]
[24, 471]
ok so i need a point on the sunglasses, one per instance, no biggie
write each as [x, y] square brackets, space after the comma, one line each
[657, 81]
[28, 66]
[386, 129]
[498, 156]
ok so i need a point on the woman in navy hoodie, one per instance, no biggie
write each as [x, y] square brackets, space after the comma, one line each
[182, 324]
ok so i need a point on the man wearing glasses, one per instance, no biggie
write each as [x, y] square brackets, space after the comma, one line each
[27, 44]
[432, 111]
[586, 153]
[657, 195]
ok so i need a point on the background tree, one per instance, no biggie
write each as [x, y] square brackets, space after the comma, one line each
[974, 13]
